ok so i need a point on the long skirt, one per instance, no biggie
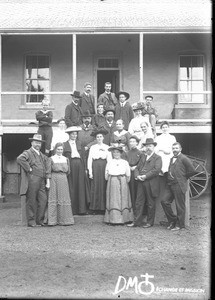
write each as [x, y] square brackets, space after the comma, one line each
[118, 201]
[59, 203]
[98, 185]
[78, 186]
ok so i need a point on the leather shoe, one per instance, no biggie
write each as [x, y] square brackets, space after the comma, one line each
[147, 225]
[176, 228]
[131, 225]
[32, 225]
[171, 226]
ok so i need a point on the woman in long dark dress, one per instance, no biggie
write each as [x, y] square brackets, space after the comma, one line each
[97, 160]
[78, 181]
[59, 202]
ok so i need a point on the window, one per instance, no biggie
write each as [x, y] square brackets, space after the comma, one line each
[191, 77]
[108, 63]
[37, 77]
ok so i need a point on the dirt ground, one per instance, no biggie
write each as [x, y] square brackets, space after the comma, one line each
[87, 259]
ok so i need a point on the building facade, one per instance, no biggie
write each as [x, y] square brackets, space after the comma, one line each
[141, 47]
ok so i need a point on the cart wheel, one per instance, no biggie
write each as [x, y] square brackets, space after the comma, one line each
[199, 182]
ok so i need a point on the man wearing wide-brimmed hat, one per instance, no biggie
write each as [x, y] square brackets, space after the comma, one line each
[123, 109]
[109, 124]
[35, 180]
[147, 175]
[73, 111]
[84, 136]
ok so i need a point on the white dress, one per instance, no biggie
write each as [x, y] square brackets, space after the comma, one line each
[134, 126]
[59, 136]
[164, 143]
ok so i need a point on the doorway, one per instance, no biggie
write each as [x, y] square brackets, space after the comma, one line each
[107, 75]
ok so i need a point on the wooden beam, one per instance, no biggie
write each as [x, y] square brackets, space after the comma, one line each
[74, 61]
[141, 64]
[1, 131]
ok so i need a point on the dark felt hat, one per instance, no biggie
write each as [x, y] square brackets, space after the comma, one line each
[127, 95]
[149, 141]
[138, 106]
[100, 130]
[86, 114]
[116, 148]
[134, 137]
[37, 137]
[109, 108]
[76, 94]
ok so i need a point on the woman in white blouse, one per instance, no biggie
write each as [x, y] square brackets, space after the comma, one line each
[59, 134]
[118, 202]
[164, 146]
[97, 160]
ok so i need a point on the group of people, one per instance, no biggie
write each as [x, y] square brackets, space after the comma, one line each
[108, 162]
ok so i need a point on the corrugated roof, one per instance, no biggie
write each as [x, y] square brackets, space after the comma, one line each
[106, 15]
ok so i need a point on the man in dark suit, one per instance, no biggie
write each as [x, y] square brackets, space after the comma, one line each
[35, 180]
[109, 124]
[73, 111]
[180, 170]
[87, 101]
[108, 98]
[147, 175]
[123, 109]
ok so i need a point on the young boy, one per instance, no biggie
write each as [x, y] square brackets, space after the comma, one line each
[99, 118]
[123, 109]
[44, 117]
[151, 112]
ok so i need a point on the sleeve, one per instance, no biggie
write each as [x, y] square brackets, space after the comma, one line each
[107, 170]
[49, 117]
[190, 170]
[137, 169]
[130, 127]
[23, 161]
[69, 170]
[131, 113]
[101, 99]
[156, 169]
[67, 116]
[109, 156]
[90, 161]
[127, 169]
[48, 163]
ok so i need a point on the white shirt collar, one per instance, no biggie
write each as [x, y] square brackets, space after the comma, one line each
[38, 152]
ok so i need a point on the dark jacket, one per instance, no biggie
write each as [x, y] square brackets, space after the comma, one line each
[151, 168]
[45, 119]
[125, 113]
[104, 99]
[73, 115]
[183, 170]
[27, 160]
[87, 103]
[68, 151]
[107, 137]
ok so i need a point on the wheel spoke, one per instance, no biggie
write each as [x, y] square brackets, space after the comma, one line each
[194, 188]
[198, 178]
[202, 186]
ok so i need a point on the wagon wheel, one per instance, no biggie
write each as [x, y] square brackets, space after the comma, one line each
[199, 182]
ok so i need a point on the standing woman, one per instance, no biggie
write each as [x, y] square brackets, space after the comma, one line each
[120, 137]
[78, 181]
[59, 203]
[118, 202]
[97, 160]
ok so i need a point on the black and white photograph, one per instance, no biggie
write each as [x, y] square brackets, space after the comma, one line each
[105, 149]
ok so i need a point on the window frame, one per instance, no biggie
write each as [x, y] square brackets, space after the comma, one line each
[35, 104]
[204, 80]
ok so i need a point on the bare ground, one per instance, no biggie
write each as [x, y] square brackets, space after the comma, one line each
[85, 260]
